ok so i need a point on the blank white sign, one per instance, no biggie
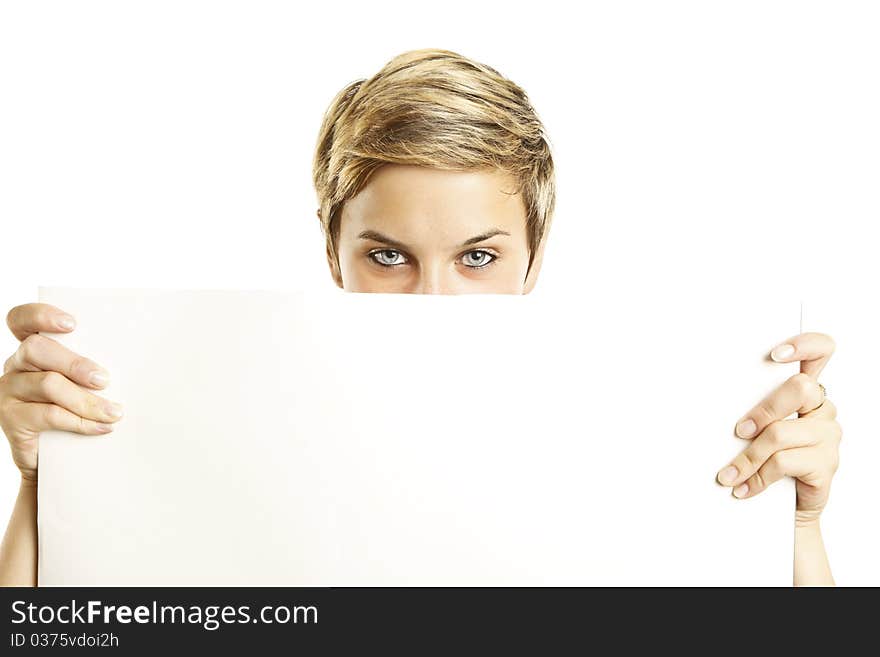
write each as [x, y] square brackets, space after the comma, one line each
[292, 438]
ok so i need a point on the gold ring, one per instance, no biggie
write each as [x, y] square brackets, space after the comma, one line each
[824, 396]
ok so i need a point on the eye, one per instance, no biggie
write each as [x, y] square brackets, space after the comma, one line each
[478, 259]
[387, 257]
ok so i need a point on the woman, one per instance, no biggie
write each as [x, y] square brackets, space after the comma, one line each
[433, 177]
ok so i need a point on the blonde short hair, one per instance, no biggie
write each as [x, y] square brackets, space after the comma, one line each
[439, 109]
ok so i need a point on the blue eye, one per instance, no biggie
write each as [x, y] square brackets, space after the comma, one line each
[477, 259]
[387, 257]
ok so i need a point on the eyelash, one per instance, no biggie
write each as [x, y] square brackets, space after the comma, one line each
[372, 255]
[494, 257]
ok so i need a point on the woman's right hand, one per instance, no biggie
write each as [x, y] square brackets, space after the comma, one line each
[39, 391]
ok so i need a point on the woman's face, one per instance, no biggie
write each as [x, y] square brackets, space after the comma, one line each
[421, 230]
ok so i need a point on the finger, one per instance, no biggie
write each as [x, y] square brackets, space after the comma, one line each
[37, 418]
[37, 352]
[799, 394]
[827, 411]
[813, 350]
[55, 388]
[781, 435]
[804, 463]
[35, 317]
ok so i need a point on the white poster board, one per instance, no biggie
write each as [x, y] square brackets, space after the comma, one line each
[291, 438]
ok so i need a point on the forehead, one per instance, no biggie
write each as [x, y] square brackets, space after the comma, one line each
[412, 202]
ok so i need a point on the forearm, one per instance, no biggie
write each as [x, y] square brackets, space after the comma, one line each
[811, 567]
[18, 552]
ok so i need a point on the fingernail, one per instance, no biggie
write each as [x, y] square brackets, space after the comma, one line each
[113, 410]
[741, 491]
[104, 428]
[782, 352]
[99, 378]
[746, 428]
[728, 475]
[65, 322]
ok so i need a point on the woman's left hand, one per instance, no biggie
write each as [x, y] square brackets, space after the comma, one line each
[805, 448]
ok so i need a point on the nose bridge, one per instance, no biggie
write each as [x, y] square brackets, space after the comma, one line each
[433, 278]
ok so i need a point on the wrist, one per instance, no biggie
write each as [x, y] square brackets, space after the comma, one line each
[806, 521]
[28, 483]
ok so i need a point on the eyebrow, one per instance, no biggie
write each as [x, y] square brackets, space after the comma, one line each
[379, 237]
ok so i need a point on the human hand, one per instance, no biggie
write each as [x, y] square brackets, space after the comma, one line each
[40, 387]
[805, 448]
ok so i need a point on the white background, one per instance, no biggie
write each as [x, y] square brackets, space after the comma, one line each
[701, 147]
